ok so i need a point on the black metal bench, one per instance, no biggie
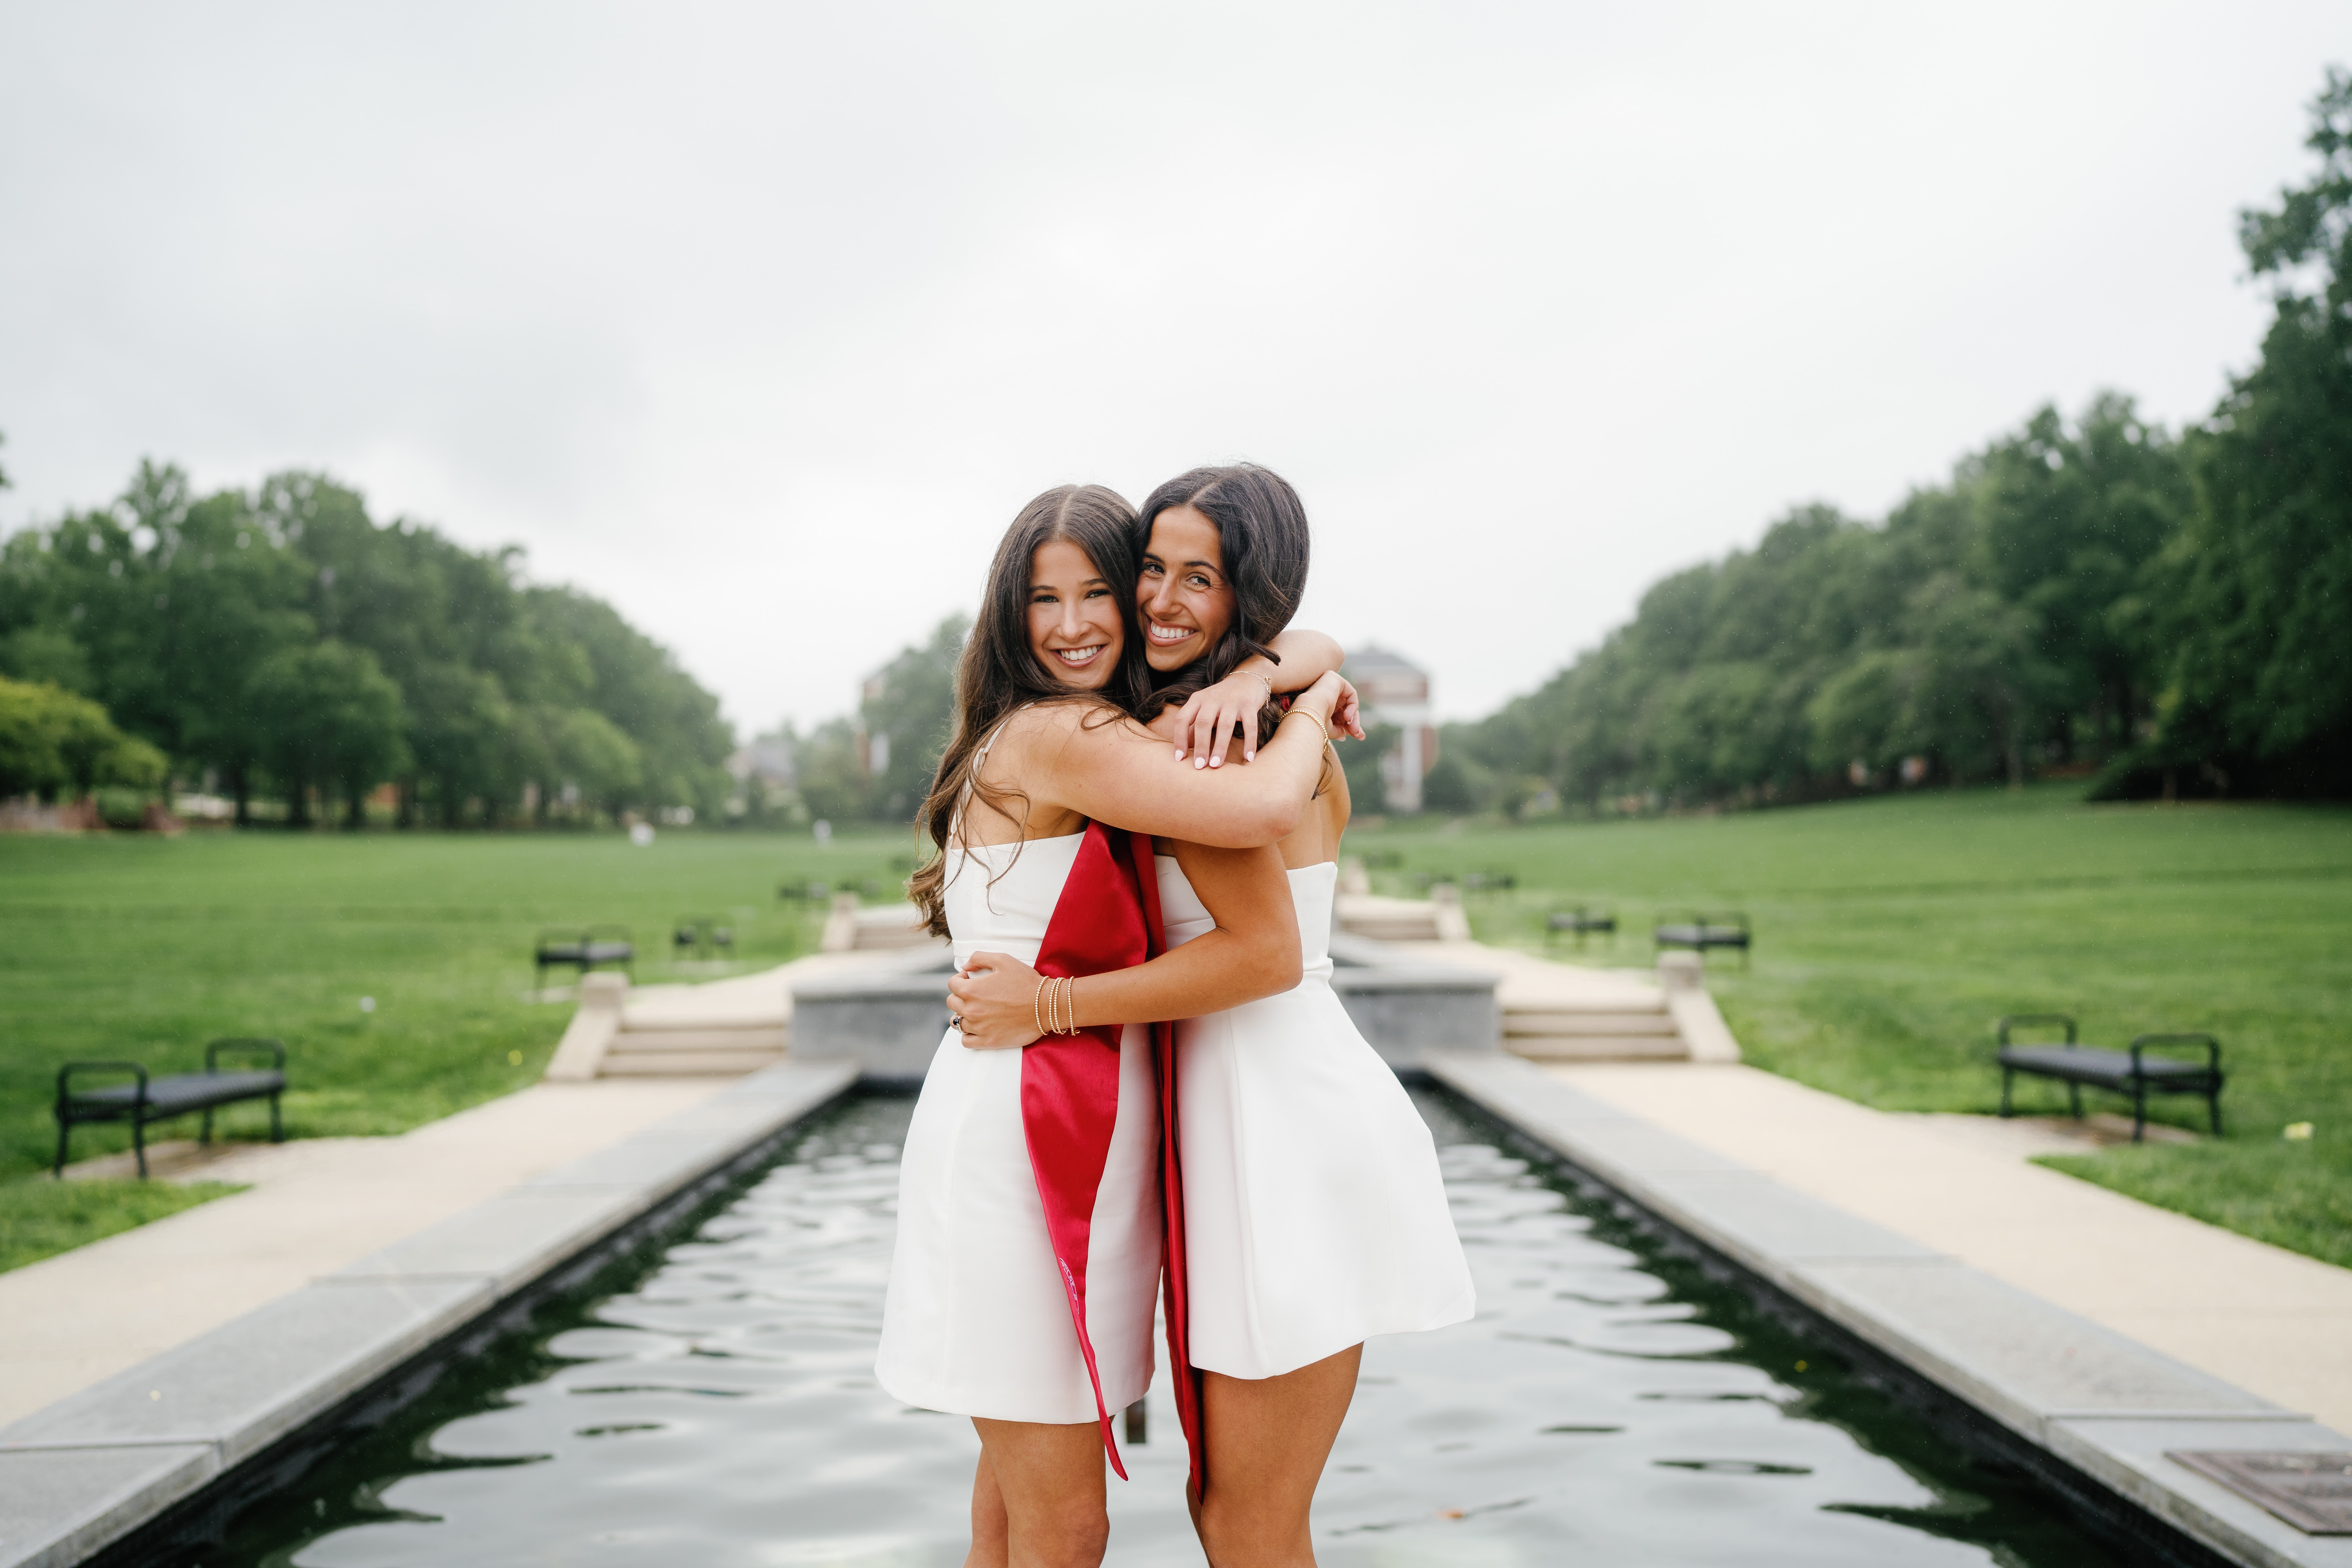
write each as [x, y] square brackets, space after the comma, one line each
[584, 950]
[1579, 923]
[1703, 929]
[701, 936]
[159, 1100]
[2130, 1072]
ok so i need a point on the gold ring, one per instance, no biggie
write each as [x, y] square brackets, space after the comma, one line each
[955, 1022]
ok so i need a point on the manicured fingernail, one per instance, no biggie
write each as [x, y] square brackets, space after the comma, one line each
[1216, 762]
[1200, 761]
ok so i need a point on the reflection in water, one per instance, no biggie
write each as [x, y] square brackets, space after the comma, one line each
[1606, 1408]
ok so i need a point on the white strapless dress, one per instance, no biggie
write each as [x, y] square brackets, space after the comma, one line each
[975, 1321]
[1313, 1213]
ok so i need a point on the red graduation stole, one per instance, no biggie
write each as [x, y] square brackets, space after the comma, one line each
[1107, 917]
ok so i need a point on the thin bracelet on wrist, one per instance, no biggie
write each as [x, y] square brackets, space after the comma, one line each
[1036, 1013]
[1303, 713]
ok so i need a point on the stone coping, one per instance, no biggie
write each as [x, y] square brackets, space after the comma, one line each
[92, 1466]
[2102, 1402]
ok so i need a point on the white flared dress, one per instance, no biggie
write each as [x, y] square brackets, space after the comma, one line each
[1315, 1215]
[976, 1322]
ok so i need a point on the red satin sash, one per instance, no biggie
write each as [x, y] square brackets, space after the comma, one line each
[1107, 917]
[1175, 1280]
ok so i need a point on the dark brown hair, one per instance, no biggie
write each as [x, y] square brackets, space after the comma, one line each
[998, 672]
[1262, 531]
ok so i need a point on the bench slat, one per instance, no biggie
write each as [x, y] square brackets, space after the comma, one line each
[2094, 1063]
[180, 1092]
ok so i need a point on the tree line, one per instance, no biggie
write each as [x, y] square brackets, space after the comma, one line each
[288, 646]
[2171, 610]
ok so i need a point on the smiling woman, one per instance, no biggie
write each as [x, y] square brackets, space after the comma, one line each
[1074, 609]
[1025, 1280]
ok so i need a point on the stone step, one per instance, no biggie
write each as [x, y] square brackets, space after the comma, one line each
[1551, 1021]
[686, 1064]
[768, 1037]
[1598, 1048]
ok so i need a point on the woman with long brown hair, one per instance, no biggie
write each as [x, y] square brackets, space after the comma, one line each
[1023, 1287]
[1315, 1215]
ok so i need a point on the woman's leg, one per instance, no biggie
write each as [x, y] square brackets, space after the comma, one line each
[1037, 1497]
[1269, 1440]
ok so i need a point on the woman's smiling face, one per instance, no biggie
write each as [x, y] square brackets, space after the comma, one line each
[1185, 600]
[1074, 628]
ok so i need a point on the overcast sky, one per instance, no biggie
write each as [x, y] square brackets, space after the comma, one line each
[762, 321]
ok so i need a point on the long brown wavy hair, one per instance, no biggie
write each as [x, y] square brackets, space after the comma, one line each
[998, 672]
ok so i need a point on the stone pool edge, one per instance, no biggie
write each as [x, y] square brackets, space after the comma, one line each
[81, 1474]
[2103, 1405]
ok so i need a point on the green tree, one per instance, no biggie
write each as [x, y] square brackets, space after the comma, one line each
[908, 710]
[2259, 665]
[2069, 521]
[1368, 790]
[330, 719]
[52, 740]
[587, 758]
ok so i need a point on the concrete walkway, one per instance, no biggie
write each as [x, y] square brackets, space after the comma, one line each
[315, 1205]
[2266, 1320]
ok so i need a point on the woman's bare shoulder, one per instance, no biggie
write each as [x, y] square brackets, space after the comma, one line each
[1053, 726]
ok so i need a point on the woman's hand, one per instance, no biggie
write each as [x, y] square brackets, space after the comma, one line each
[1347, 713]
[1206, 721]
[996, 997]
[1322, 699]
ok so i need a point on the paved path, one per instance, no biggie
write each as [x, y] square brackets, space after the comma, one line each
[315, 1206]
[2269, 1321]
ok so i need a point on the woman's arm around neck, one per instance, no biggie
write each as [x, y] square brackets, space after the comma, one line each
[1117, 773]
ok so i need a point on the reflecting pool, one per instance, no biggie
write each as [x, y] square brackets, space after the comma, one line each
[712, 1404]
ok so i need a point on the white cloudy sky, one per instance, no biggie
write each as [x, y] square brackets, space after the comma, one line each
[762, 320]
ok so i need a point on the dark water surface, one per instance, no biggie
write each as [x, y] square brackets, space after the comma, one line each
[715, 1407]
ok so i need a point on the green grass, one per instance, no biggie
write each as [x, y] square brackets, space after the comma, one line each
[124, 945]
[38, 1219]
[1890, 933]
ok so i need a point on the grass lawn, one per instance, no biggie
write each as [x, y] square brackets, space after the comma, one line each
[1890, 933]
[125, 945]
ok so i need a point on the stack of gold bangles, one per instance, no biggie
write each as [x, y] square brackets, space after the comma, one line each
[1303, 713]
[1051, 1008]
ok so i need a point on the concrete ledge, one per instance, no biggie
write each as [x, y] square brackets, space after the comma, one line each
[1404, 1004]
[888, 1020]
[2100, 1401]
[594, 1026]
[889, 1017]
[64, 1504]
[94, 1465]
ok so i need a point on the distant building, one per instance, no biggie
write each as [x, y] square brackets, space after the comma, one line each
[873, 749]
[1394, 690]
[769, 759]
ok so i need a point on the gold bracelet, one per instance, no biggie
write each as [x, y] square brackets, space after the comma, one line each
[1070, 1003]
[1033, 1006]
[1063, 1011]
[1262, 680]
[1303, 713]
